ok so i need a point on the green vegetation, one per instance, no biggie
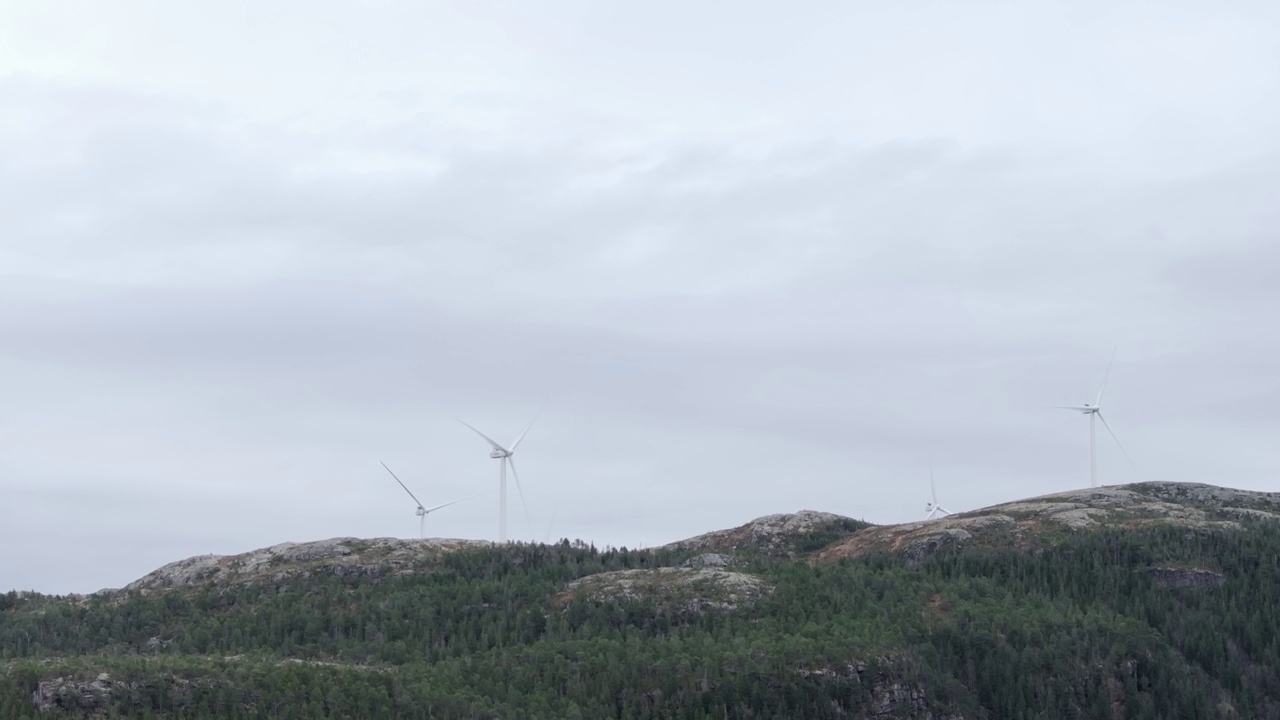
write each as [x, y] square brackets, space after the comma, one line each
[1088, 627]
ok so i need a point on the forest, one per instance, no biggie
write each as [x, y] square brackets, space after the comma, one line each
[1149, 622]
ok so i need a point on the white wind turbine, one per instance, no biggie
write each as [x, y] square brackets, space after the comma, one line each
[1094, 411]
[936, 511]
[421, 512]
[505, 456]
[546, 540]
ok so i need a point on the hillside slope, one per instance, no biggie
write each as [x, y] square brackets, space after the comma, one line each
[1144, 601]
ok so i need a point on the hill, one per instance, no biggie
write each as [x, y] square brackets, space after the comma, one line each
[1144, 601]
[1040, 522]
[280, 565]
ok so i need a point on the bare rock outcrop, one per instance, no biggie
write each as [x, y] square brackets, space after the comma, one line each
[1019, 524]
[916, 541]
[708, 560]
[687, 590]
[782, 535]
[92, 699]
[337, 556]
[890, 697]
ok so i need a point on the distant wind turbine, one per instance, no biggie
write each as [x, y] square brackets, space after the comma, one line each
[421, 512]
[1095, 411]
[546, 540]
[936, 511]
[506, 456]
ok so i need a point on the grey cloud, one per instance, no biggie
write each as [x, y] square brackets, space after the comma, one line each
[211, 328]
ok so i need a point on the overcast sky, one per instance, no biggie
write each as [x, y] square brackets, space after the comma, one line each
[752, 258]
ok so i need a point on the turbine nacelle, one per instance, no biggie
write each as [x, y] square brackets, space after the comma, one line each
[936, 512]
[499, 454]
[1085, 409]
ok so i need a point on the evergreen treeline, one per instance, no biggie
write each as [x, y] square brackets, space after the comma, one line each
[1081, 629]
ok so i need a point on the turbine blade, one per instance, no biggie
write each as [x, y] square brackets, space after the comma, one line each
[444, 505]
[512, 462]
[488, 439]
[1106, 376]
[406, 489]
[1113, 437]
[520, 437]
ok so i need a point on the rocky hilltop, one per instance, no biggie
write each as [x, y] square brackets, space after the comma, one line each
[337, 556]
[781, 535]
[820, 536]
[1039, 521]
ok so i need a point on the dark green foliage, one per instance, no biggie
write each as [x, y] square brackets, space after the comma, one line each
[829, 533]
[1081, 629]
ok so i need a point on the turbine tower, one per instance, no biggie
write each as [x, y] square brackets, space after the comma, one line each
[421, 512]
[546, 540]
[1094, 412]
[505, 457]
[936, 511]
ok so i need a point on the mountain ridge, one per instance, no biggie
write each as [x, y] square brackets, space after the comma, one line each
[821, 535]
[1151, 600]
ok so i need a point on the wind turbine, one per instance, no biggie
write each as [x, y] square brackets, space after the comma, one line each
[936, 511]
[506, 456]
[1094, 411]
[421, 512]
[546, 540]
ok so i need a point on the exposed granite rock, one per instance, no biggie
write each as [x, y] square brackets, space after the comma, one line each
[708, 560]
[917, 541]
[1210, 496]
[891, 698]
[344, 557]
[780, 535]
[920, 548]
[687, 590]
[1198, 508]
[1189, 501]
[1250, 513]
[89, 699]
